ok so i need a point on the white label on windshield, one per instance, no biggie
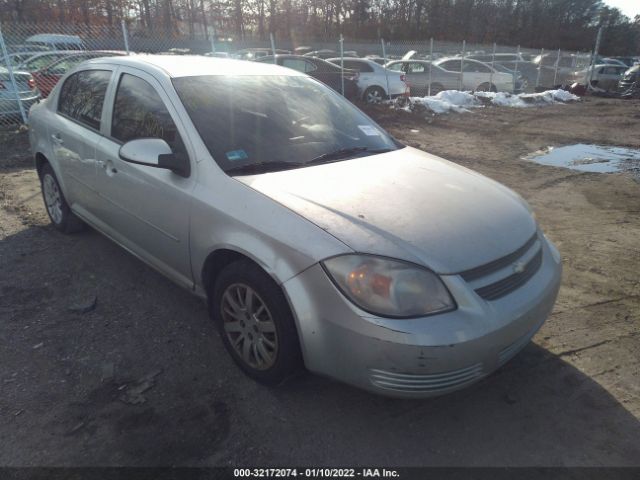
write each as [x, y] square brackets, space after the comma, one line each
[368, 130]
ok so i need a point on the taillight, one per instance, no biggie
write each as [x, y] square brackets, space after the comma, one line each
[32, 83]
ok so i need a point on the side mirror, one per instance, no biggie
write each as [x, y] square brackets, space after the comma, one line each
[155, 152]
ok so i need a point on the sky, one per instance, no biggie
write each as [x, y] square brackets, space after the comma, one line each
[630, 8]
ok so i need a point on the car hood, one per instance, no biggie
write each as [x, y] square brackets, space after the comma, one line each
[406, 204]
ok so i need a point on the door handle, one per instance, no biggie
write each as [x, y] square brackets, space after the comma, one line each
[57, 138]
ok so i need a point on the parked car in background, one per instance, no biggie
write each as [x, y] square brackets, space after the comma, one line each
[417, 77]
[604, 76]
[317, 239]
[47, 77]
[373, 79]
[56, 41]
[612, 61]
[320, 69]
[477, 75]
[27, 91]
[630, 78]
[22, 48]
[628, 61]
[555, 71]
[526, 69]
[324, 53]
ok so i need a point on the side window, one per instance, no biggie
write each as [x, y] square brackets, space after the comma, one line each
[295, 64]
[139, 112]
[452, 65]
[416, 68]
[396, 67]
[474, 67]
[41, 62]
[359, 66]
[82, 96]
[309, 66]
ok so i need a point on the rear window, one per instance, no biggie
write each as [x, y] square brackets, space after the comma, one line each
[82, 96]
[277, 119]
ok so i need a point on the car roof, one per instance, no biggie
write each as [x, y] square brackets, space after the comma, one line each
[194, 65]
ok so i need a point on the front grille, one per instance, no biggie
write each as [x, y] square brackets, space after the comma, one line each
[491, 267]
[508, 284]
[434, 382]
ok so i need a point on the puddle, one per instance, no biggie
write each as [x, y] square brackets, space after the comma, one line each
[590, 158]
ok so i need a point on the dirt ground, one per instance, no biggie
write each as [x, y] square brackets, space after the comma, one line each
[142, 378]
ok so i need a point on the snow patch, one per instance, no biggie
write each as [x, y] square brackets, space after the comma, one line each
[456, 101]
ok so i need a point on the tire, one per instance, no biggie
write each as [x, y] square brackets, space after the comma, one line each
[264, 345]
[486, 87]
[435, 89]
[56, 205]
[374, 95]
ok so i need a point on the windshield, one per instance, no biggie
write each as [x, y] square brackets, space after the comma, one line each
[276, 122]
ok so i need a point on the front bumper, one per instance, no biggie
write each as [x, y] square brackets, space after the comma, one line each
[425, 356]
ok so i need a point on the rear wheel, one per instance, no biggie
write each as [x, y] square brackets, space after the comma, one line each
[486, 87]
[255, 323]
[56, 205]
[374, 95]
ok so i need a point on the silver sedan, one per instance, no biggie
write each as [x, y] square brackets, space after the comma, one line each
[318, 240]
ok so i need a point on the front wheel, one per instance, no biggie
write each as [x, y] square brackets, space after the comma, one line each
[56, 205]
[374, 95]
[256, 323]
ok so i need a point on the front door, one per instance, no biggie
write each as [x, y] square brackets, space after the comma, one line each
[145, 208]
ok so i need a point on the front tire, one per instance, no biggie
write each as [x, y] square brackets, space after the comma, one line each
[374, 95]
[256, 323]
[56, 205]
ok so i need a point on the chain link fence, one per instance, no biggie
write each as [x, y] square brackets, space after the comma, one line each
[33, 57]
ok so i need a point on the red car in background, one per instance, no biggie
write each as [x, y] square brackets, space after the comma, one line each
[46, 78]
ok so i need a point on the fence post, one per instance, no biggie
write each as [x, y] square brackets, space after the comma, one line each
[342, 62]
[125, 36]
[430, 63]
[555, 73]
[386, 72]
[273, 47]
[12, 78]
[464, 48]
[515, 72]
[493, 62]
[594, 57]
[539, 67]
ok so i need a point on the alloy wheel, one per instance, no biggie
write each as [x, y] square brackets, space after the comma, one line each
[52, 198]
[249, 326]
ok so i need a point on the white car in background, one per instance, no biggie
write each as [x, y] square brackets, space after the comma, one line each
[375, 82]
[477, 76]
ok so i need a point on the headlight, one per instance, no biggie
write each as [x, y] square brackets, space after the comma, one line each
[389, 288]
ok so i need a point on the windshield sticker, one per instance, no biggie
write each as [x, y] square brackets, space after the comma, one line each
[368, 130]
[235, 155]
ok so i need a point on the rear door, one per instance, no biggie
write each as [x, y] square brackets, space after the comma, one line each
[146, 209]
[75, 132]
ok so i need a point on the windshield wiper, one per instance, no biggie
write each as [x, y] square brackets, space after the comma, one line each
[343, 153]
[262, 167]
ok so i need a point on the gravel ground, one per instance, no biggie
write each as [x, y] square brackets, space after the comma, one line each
[105, 362]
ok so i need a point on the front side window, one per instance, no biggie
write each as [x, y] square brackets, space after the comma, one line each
[82, 96]
[275, 122]
[139, 112]
[473, 67]
[416, 68]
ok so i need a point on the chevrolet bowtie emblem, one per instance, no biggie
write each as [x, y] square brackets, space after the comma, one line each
[518, 267]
